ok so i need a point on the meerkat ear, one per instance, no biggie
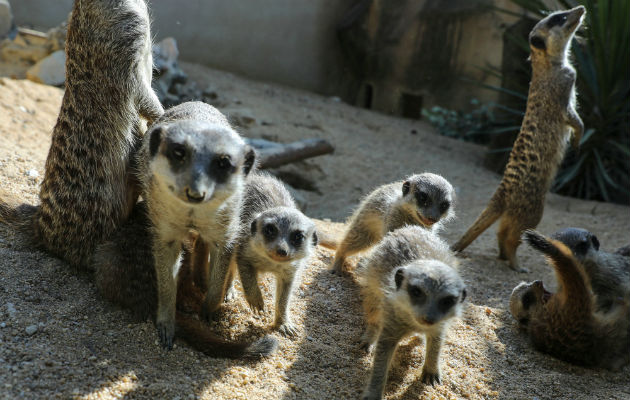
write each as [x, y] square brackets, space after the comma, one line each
[405, 187]
[250, 160]
[538, 42]
[155, 139]
[398, 278]
[253, 228]
[463, 297]
[315, 238]
[595, 242]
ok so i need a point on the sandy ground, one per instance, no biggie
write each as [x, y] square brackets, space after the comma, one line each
[58, 338]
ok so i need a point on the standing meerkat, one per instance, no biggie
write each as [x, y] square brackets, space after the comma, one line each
[408, 285]
[550, 117]
[567, 324]
[609, 273]
[88, 188]
[192, 167]
[124, 272]
[425, 200]
[274, 237]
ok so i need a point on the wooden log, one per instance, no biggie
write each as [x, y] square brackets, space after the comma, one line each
[271, 156]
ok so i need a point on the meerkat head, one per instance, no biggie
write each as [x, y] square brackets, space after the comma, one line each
[283, 234]
[551, 35]
[428, 197]
[431, 291]
[582, 243]
[525, 298]
[197, 161]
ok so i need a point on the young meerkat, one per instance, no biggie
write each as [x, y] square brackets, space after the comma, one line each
[550, 117]
[124, 272]
[408, 285]
[274, 237]
[88, 189]
[567, 324]
[192, 166]
[609, 273]
[425, 200]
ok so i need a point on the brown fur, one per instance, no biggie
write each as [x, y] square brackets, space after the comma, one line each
[88, 190]
[567, 324]
[539, 148]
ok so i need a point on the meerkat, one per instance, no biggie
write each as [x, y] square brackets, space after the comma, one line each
[409, 285]
[425, 200]
[192, 166]
[88, 188]
[124, 273]
[567, 324]
[550, 117]
[609, 273]
[274, 237]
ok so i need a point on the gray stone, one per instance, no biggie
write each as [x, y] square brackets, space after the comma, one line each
[11, 310]
[50, 71]
[7, 27]
[31, 329]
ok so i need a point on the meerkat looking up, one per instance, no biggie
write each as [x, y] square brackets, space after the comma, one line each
[274, 237]
[550, 117]
[88, 188]
[567, 324]
[192, 166]
[408, 285]
[425, 200]
[609, 273]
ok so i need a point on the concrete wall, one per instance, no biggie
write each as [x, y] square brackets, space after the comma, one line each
[287, 41]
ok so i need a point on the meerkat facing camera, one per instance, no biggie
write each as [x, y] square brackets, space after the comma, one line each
[425, 200]
[408, 285]
[274, 237]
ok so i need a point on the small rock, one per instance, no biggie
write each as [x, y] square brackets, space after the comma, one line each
[50, 71]
[11, 310]
[3, 324]
[7, 27]
[32, 173]
[31, 329]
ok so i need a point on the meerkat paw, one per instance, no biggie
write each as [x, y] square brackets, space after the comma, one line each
[166, 334]
[230, 294]
[287, 329]
[339, 267]
[515, 267]
[431, 378]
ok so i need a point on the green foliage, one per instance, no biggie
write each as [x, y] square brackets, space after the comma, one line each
[472, 126]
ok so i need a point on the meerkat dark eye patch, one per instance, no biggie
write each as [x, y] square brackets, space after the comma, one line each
[463, 296]
[221, 167]
[557, 20]
[423, 199]
[296, 238]
[528, 300]
[405, 188]
[446, 303]
[417, 294]
[444, 206]
[270, 231]
[253, 227]
[582, 246]
[538, 42]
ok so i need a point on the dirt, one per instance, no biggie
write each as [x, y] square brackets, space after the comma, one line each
[58, 338]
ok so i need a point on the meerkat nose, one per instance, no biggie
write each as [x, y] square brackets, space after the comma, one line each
[195, 196]
[281, 252]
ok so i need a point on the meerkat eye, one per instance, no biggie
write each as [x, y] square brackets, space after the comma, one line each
[297, 238]
[446, 303]
[270, 231]
[224, 162]
[559, 19]
[416, 293]
[178, 152]
[528, 300]
[423, 199]
[444, 206]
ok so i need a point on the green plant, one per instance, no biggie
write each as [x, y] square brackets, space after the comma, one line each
[472, 126]
[601, 168]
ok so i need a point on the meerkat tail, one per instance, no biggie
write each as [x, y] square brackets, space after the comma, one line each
[327, 240]
[329, 234]
[575, 284]
[492, 212]
[196, 334]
